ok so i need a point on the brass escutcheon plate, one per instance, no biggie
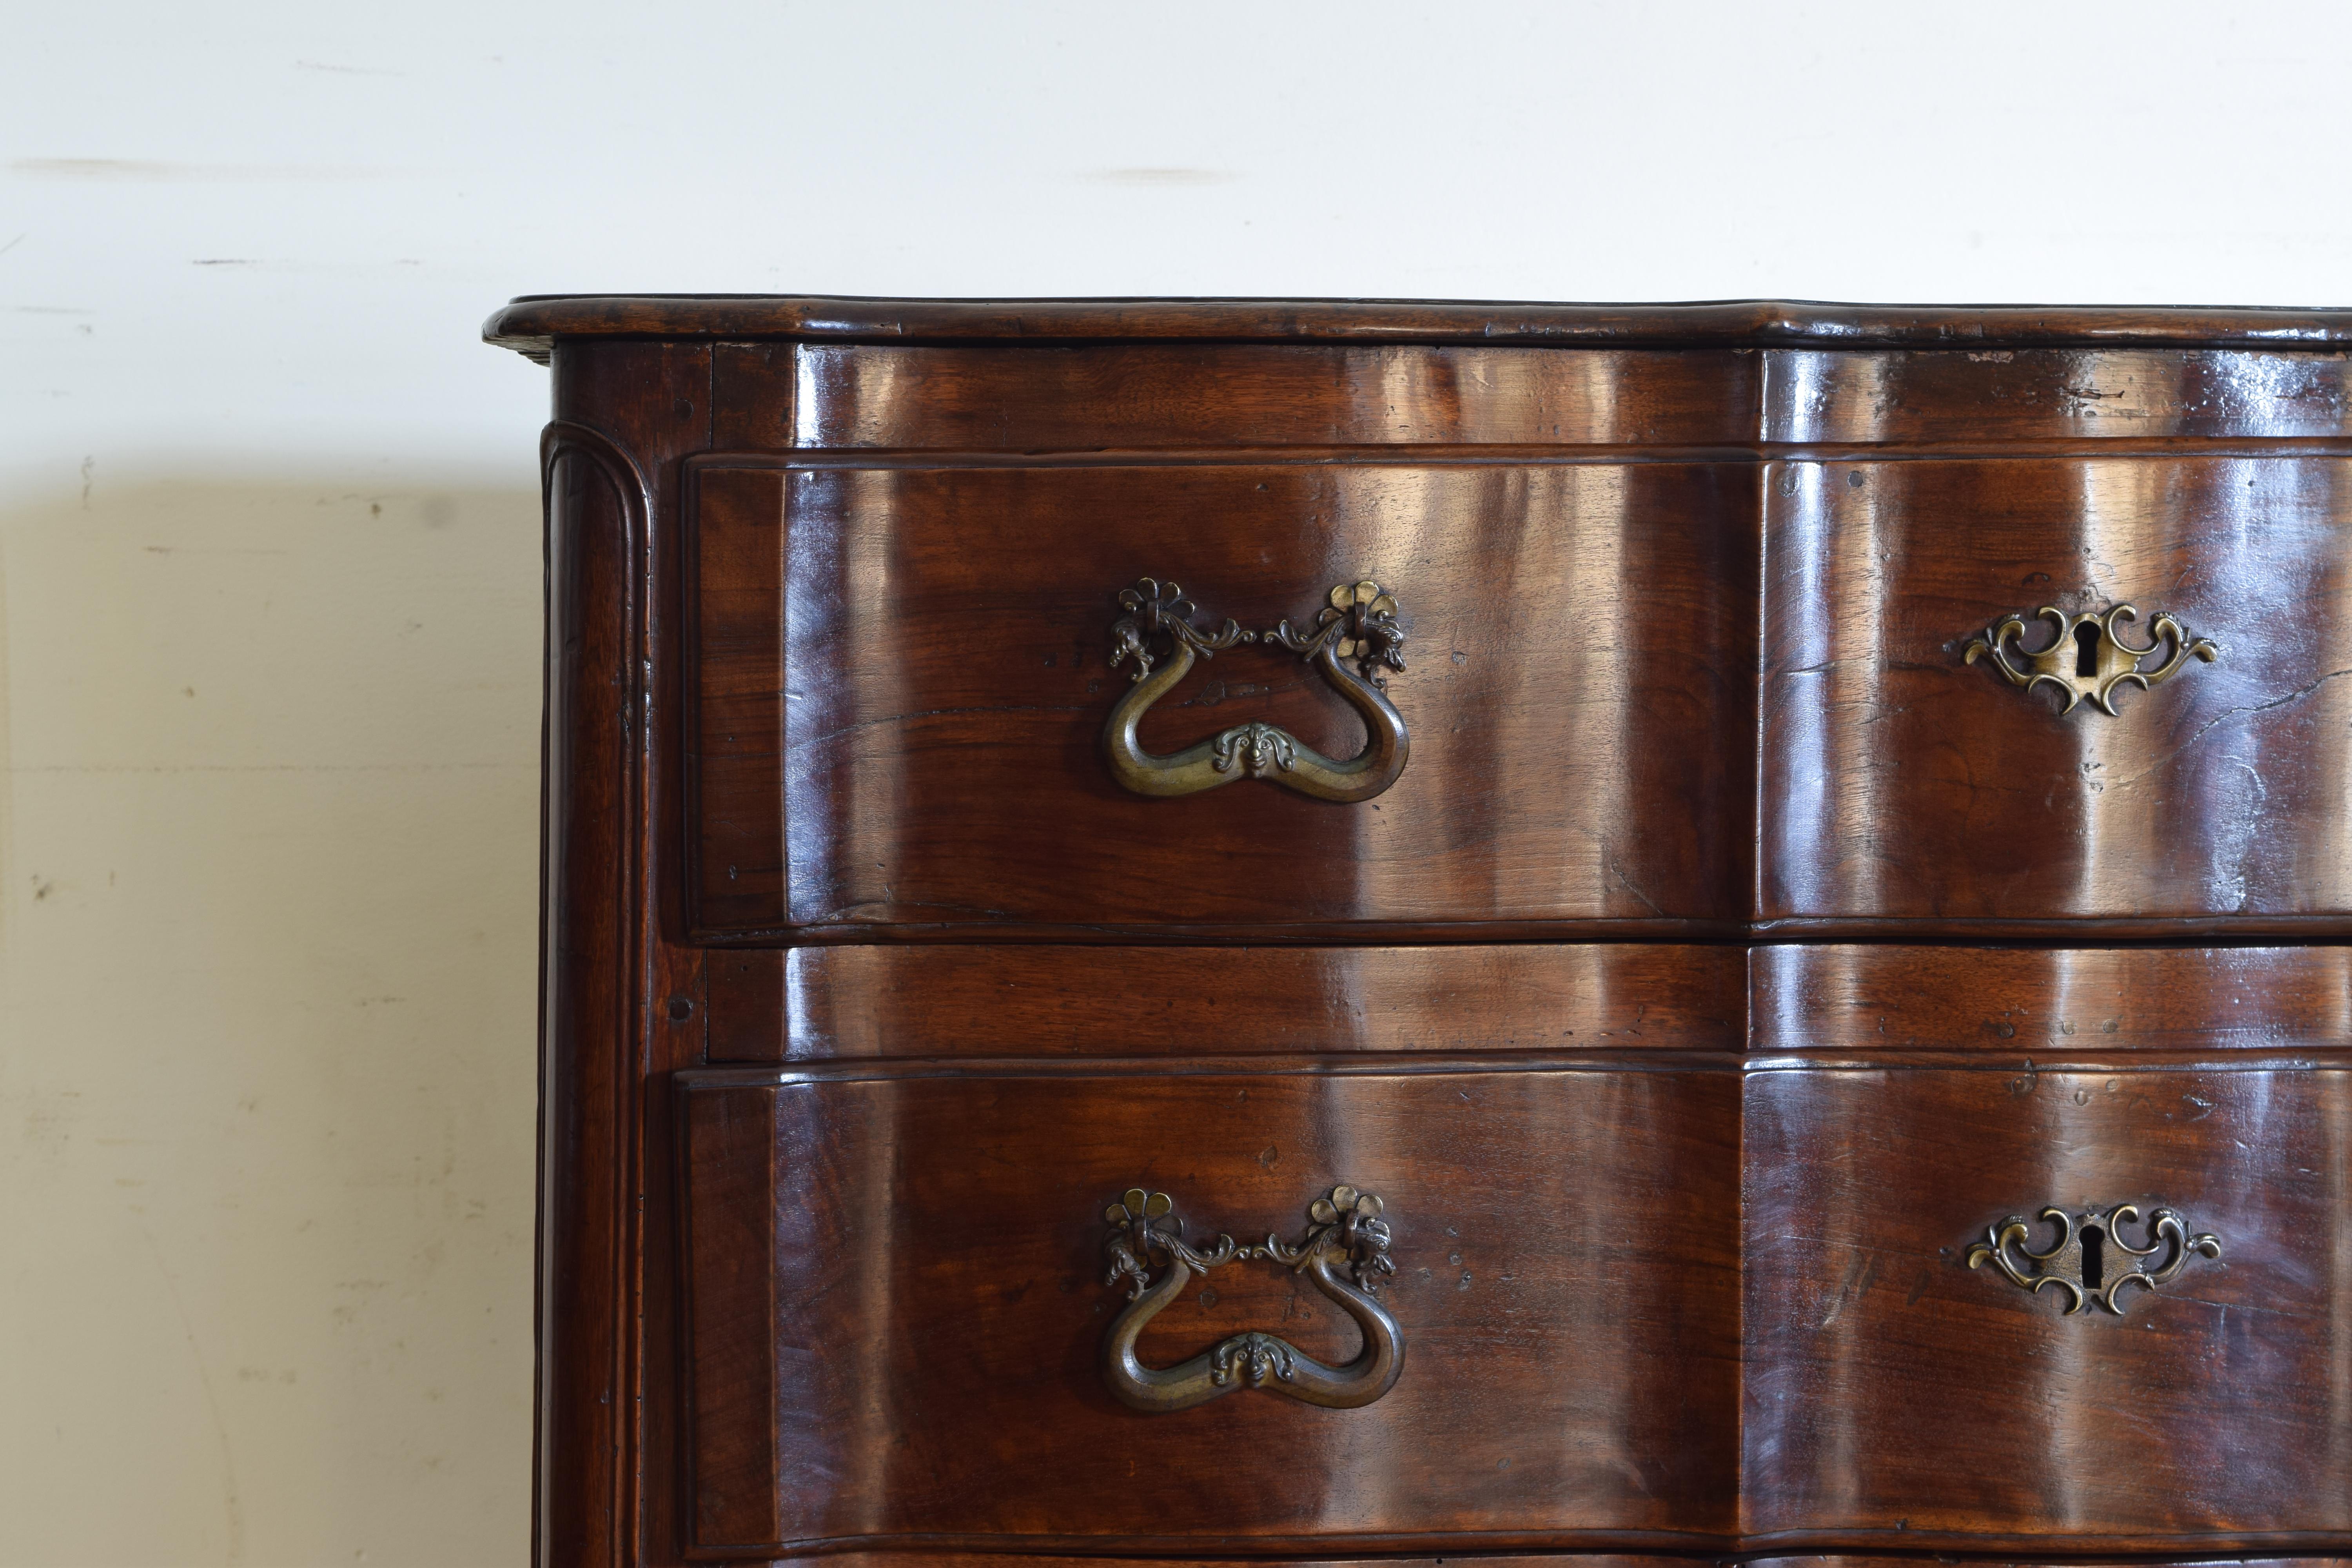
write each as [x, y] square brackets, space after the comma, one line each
[2086, 656]
[2091, 1261]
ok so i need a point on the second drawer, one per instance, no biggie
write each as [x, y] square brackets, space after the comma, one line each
[900, 1293]
[1625, 1285]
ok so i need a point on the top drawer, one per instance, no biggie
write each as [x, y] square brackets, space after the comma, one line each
[1685, 642]
[903, 677]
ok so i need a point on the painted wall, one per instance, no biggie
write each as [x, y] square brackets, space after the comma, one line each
[269, 555]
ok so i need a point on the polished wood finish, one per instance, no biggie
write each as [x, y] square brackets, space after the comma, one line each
[911, 1355]
[1985, 397]
[735, 689]
[900, 1559]
[1855, 1561]
[1900, 1100]
[2218, 1407]
[2045, 1004]
[1163, 397]
[530, 324]
[1897, 1100]
[1627, 517]
[625, 416]
[866, 989]
[810, 1004]
[946, 641]
[1901, 785]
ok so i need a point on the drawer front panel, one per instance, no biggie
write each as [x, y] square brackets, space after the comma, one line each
[1902, 783]
[1980, 398]
[1135, 396]
[1852, 1560]
[2012, 1005]
[902, 687]
[1183, 1003]
[896, 1308]
[1894, 1393]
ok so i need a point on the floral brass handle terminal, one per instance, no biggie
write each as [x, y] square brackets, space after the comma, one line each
[2091, 1261]
[1345, 1229]
[2087, 656]
[1359, 624]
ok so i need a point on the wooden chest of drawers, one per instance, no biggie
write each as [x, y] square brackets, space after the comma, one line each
[1701, 930]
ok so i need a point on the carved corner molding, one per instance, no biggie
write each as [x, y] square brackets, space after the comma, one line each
[2087, 656]
[1344, 1228]
[2091, 1261]
[1358, 625]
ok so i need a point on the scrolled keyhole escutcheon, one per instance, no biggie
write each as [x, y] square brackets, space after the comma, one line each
[2093, 1261]
[2087, 655]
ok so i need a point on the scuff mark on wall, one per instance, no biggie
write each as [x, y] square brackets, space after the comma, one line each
[231, 1501]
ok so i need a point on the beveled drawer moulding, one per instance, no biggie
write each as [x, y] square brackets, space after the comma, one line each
[1319, 930]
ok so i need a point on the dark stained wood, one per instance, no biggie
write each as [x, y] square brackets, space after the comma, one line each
[2019, 1002]
[735, 684]
[947, 631]
[1847, 1560]
[1156, 396]
[819, 1003]
[1985, 397]
[625, 413]
[596, 521]
[923, 1366]
[752, 405]
[848, 1302]
[1895, 1397]
[1901, 785]
[532, 321]
[1485, 1560]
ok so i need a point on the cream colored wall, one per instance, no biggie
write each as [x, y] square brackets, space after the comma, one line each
[267, 957]
[269, 567]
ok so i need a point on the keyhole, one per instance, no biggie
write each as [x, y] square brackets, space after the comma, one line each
[2095, 1263]
[2086, 650]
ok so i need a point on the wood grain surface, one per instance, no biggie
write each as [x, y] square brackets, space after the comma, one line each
[1892, 1394]
[945, 684]
[1894, 1103]
[1671, 609]
[599, 847]
[2047, 1003]
[530, 323]
[1902, 786]
[1843, 1560]
[1983, 398]
[1589, 561]
[810, 1004]
[897, 1299]
[1172, 397]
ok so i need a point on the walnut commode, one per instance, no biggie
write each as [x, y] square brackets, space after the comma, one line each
[1778, 983]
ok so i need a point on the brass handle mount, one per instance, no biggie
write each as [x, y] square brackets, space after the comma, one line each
[1357, 624]
[2091, 1261]
[1345, 1230]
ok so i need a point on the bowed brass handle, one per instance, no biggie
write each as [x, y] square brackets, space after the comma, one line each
[1346, 1228]
[2091, 1261]
[1359, 624]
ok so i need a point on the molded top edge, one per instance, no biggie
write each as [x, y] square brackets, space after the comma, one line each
[531, 323]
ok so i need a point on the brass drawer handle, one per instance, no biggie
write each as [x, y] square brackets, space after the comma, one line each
[1346, 1228]
[1358, 623]
[2091, 1261]
[2087, 656]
